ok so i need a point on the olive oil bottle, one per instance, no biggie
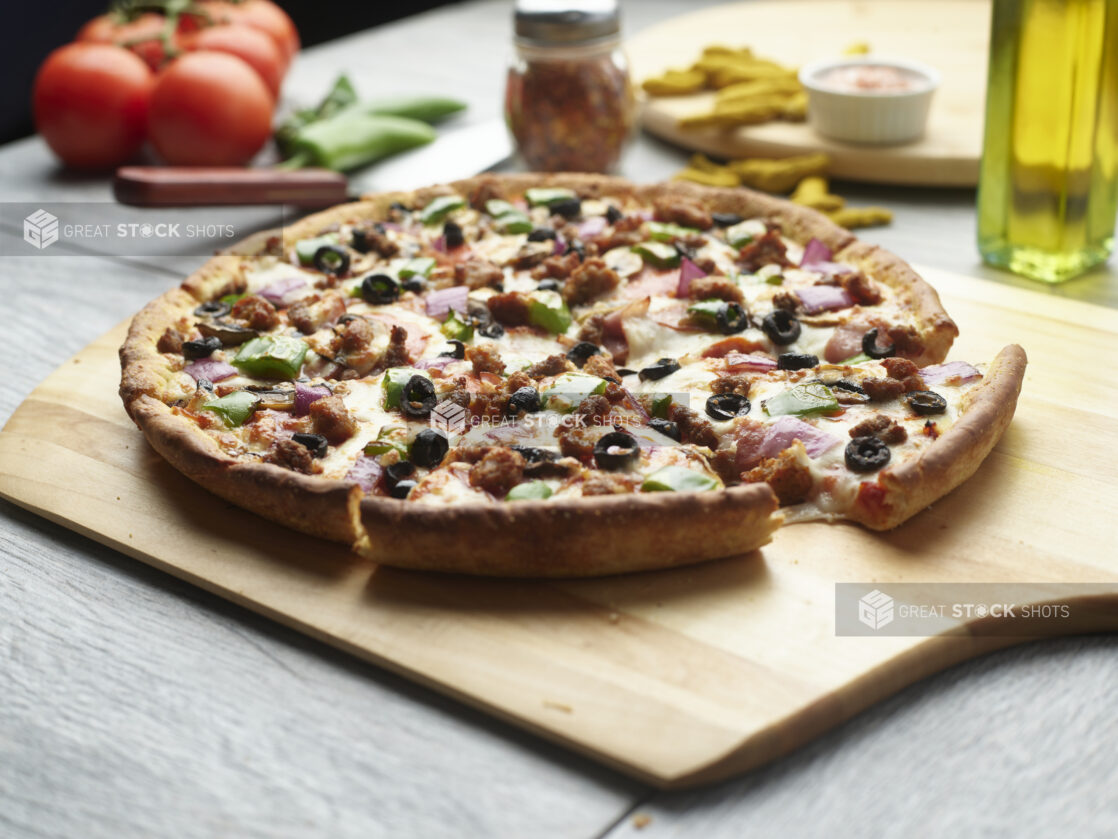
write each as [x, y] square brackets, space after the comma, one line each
[1048, 188]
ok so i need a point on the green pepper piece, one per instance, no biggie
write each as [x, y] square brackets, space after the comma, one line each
[497, 207]
[340, 95]
[742, 234]
[514, 222]
[230, 299]
[394, 382]
[775, 279]
[707, 311]
[532, 489]
[802, 401]
[272, 357]
[660, 404]
[234, 408]
[678, 479]
[440, 208]
[547, 310]
[568, 390]
[666, 231]
[305, 248]
[547, 196]
[351, 139]
[455, 329]
[657, 254]
[423, 108]
[421, 265]
[856, 359]
[389, 438]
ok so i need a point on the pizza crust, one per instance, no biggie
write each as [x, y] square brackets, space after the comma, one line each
[902, 491]
[554, 538]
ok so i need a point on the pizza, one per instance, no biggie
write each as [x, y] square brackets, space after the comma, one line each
[562, 375]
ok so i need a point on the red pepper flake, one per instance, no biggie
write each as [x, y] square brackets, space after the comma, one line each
[930, 430]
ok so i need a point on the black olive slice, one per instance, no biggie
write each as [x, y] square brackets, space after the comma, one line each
[548, 284]
[613, 215]
[532, 454]
[229, 334]
[726, 406]
[491, 330]
[541, 234]
[402, 489]
[272, 399]
[413, 283]
[401, 470]
[566, 207]
[684, 251]
[870, 347]
[843, 384]
[796, 361]
[580, 353]
[525, 399]
[731, 318]
[726, 219]
[666, 427]
[615, 450]
[418, 398]
[429, 448]
[866, 454]
[331, 259]
[625, 371]
[452, 235]
[781, 327]
[314, 443]
[658, 370]
[201, 349]
[213, 309]
[359, 241]
[577, 247]
[457, 350]
[379, 289]
[396, 205]
[925, 402]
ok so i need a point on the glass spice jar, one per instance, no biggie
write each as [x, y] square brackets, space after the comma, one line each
[568, 102]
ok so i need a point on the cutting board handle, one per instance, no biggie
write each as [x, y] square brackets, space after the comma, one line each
[198, 186]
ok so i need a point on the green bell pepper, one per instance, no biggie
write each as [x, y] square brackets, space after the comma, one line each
[271, 356]
[530, 490]
[440, 208]
[547, 310]
[666, 231]
[660, 404]
[678, 479]
[742, 234]
[389, 438]
[394, 382]
[507, 218]
[568, 390]
[234, 408]
[305, 248]
[657, 254]
[856, 359]
[421, 265]
[802, 401]
[546, 196]
[352, 138]
[455, 329]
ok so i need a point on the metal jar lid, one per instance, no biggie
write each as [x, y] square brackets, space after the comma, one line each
[569, 22]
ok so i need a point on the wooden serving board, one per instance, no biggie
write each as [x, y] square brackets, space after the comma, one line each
[676, 677]
[950, 35]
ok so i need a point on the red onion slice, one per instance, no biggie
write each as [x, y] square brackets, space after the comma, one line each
[365, 472]
[785, 430]
[559, 246]
[823, 298]
[439, 303]
[305, 395]
[814, 253]
[209, 369]
[736, 362]
[439, 244]
[436, 363]
[688, 271]
[278, 291]
[592, 227]
[951, 373]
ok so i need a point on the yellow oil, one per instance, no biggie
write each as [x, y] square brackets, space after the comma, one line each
[1048, 188]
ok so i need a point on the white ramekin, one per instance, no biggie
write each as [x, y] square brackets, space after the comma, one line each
[866, 116]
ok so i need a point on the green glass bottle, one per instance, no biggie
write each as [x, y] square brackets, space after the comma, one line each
[1048, 187]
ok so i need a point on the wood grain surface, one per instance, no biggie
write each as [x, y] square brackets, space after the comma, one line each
[738, 657]
[950, 35]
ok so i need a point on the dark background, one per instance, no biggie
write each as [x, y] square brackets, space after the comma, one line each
[30, 31]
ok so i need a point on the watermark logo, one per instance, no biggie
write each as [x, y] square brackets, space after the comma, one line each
[875, 610]
[449, 417]
[40, 229]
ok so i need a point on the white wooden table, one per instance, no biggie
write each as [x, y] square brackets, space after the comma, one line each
[134, 705]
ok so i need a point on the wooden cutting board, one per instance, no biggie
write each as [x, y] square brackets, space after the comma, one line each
[675, 677]
[950, 35]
